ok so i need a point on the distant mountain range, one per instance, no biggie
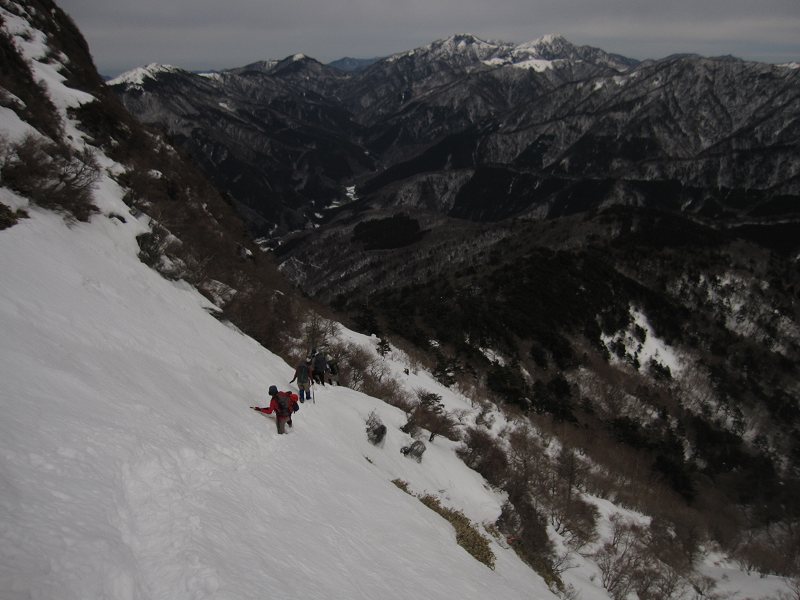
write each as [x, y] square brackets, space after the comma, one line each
[284, 138]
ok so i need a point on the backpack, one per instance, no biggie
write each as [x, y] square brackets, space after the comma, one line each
[302, 374]
[283, 400]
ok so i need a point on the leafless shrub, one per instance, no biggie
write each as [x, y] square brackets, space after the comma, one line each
[485, 417]
[759, 555]
[642, 560]
[571, 516]
[389, 390]
[353, 366]
[10, 217]
[526, 532]
[528, 466]
[703, 588]
[576, 521]
[159, 250]
[429, 414]
[480, 451]
[52, 175]
[360, 370]
[776, 548]
[552, 486]
[318, 331]
[619, 558]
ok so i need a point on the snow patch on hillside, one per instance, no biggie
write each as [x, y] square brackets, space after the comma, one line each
[639, 345]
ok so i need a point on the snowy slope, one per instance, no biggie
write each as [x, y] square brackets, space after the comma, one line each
[132, 467]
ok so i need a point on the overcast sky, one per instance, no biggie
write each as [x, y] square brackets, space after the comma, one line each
[212, 34]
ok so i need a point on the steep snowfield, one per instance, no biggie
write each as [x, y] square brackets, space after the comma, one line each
[132, 466]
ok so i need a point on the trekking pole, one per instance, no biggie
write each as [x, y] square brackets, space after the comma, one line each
[313, 393]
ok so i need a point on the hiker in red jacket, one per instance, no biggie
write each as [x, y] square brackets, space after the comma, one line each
[283, 404]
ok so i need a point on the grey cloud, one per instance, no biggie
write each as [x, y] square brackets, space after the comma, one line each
[211, 34]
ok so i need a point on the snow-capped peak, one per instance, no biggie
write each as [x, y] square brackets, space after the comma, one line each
[539, 54]
[137, 76]
[461, 47]
[551, 50]
[461, 41]
[549, 47]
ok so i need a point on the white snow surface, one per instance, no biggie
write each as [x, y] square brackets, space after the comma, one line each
[652, 348]
[132, 466]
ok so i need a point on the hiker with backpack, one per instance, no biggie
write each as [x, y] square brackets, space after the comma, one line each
[320, 366]
[283, 404]
[303, 376]
[333, 370]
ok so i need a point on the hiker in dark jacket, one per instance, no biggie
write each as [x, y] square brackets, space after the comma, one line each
[283, 404]
[303, 376]
[320, 367]
[333, 369]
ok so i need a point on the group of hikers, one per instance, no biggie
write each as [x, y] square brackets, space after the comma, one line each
[312, 371]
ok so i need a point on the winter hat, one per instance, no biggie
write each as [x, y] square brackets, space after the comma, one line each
[273, 390]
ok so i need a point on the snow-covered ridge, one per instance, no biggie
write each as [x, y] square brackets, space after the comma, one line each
[540, 54]
[136, 77]
[460, 44]
[537, 64]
